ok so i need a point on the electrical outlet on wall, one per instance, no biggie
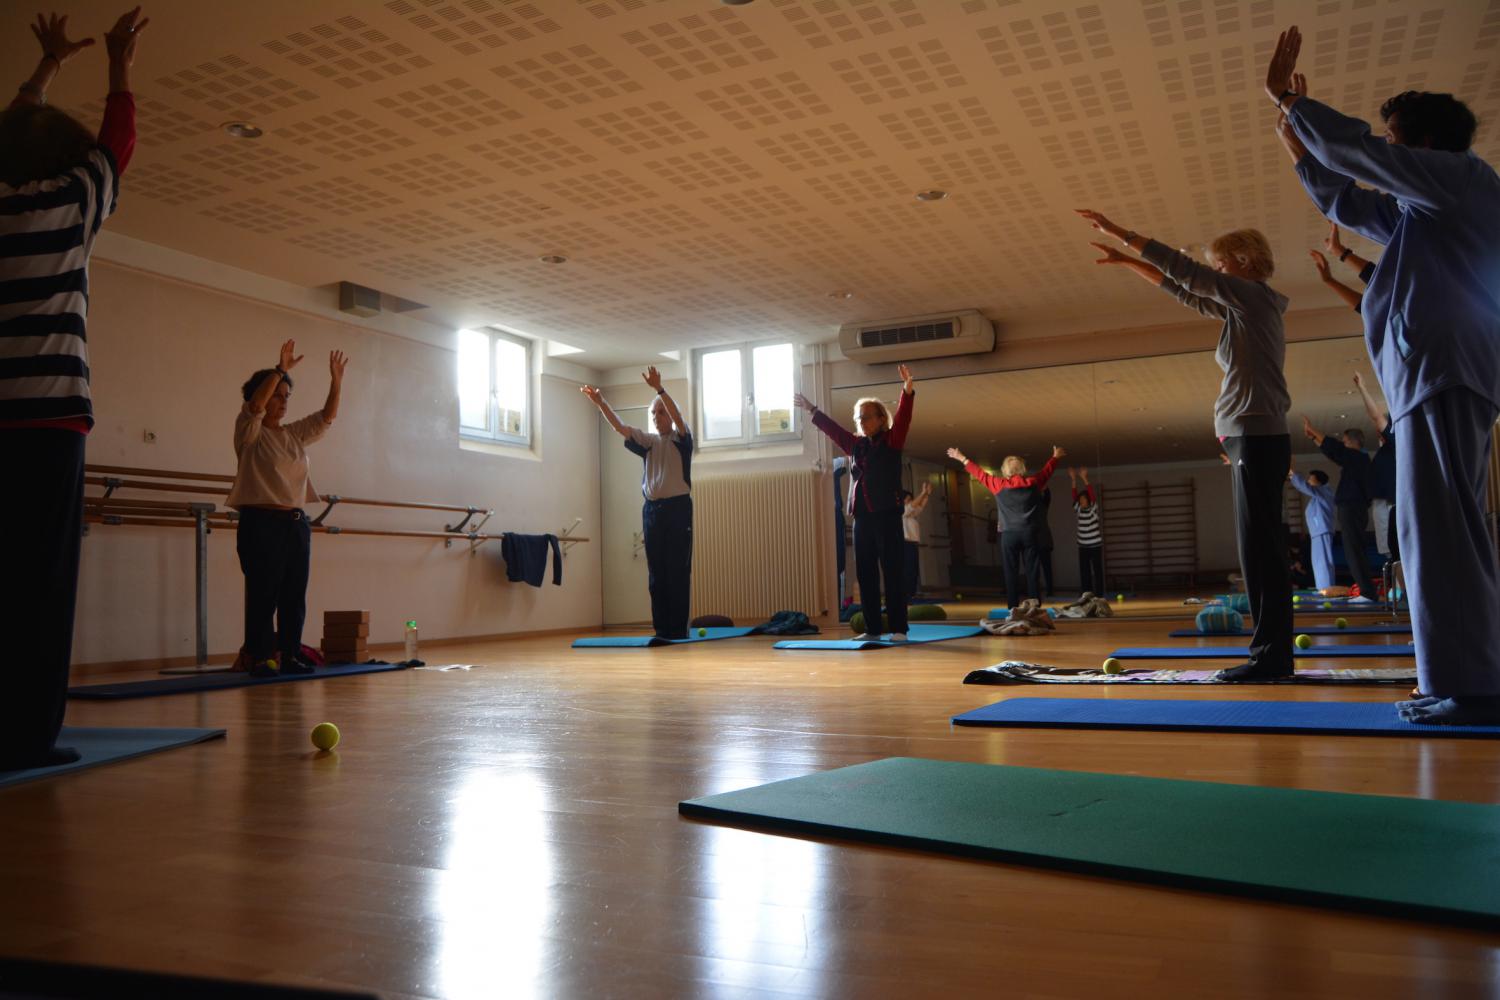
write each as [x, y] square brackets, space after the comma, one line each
[149, 436]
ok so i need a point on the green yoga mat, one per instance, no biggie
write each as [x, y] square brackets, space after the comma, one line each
[1411, 858]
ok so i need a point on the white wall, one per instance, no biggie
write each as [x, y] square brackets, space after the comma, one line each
[169, 356]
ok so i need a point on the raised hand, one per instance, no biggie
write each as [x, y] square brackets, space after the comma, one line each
[1072, 475]
[1359, 380]
[804, 402]
[906, 379]
[926, 489]
[1307, 428]
[52, 34]
[1083, 473]
[1058, 451]
[1099, 222]
[1331, 242]
[121, 39]
[1224, 457]
[1288, 136]
[1320, 262]
[289, 356]
[591, 392]
[337, 362]
[1279, 74]
[1111, 255]
[652, 377]
[957, 455]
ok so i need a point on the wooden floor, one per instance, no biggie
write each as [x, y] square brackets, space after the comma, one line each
[511, 830]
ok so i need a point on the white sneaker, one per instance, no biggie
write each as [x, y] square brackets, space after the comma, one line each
[1361, 599]
[898, 636]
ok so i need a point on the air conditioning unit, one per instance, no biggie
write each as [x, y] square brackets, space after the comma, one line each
[936, 336]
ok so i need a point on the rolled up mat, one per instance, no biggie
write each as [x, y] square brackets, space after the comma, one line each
[915, 634]
[1332, 718]
[1410, 858]
[97, 746]
[1192, 633]
[1016, 672]
[637, 641]
[1243, 653]
[997, 614]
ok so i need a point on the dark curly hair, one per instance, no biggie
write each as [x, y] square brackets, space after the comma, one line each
[1440, 121]
[253, 382]
[37, 141]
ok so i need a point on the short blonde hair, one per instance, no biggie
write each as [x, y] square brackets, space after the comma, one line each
[1249, 247]
[859, 404]
[1014, 465]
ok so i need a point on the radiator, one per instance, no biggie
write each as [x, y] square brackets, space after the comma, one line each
[762, 543]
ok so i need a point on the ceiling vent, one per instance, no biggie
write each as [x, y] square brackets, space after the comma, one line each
[936, 336]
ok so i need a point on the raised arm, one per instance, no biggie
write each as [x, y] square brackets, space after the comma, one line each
[1153, 274]
[823, 422]
[901, 422]
[52, 35]
[1313, 434]
[1050, 467]
[991, 482]
[1196, 278]
[1350, 296]
[653, 379]
[1372, 409]
[286, 361]
[337, 362]
[1346, 256]
[597, 398]
[919, 502]
[1300, 484]
[117, 132]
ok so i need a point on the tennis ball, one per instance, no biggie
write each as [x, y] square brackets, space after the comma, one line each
[1303, 641]
[1341, 622]
[1326, 604]
[325, 736]
[1296, 598]
[1113, 666]
[958, 597]
[702, 632]
[1120, 598]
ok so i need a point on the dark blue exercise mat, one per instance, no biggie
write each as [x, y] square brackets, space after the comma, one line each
[1334, 718]
[105, 746]
[1192, 633]
[219, 682]
[1414, 859]
[1242, 653]
[1016, 672]
[914, 634]
[638, 641]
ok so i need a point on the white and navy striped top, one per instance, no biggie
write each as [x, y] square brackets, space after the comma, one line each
[1090, 524]
[47, 232]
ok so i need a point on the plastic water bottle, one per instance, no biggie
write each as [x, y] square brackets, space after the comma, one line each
[411, 639]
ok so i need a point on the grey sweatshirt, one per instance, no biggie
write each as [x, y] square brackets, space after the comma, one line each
[1253, 397]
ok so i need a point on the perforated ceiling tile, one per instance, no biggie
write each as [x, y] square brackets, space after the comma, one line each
[703, 247]
[425, 226]
[157, 123]
[574, 240]
[451, 107]
[251, 162]
[169, 185]
[535, 152]
[662, 219]
[432, 173]
[875, 183]
[605, 189]
[751, 204]
[609, 8]
[1099, 144]
[829, 22]
[489, 253]
[348, 52]
[765, 101]
[985, 6]
[817, 148]
[343, 135]
[339, 242]
[622, 264]
[519, 304]
[1171, 21]
[468, 286]
[643, 129]
[257, 215]
[701, 44]
[1061, 102]
[899, 73]
[575, 75]
[474, 26]
[499, 209]
[236, 88]
[919, 127]
[1488, 35]
[971, 168]
[1060, 38]
[661, 284]
[342, 196]
[407, 266]
[703, 168]
[794, 231]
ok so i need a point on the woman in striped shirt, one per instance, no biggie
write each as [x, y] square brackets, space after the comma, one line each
[1090, 534]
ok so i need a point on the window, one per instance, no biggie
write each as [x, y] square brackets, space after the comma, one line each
[745, 394]
[494, 386]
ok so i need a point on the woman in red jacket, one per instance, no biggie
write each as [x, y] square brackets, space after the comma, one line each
[1018, 497]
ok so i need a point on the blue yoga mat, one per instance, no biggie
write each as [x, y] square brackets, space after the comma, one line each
[200, 683]
[638, 641]
[1335, 718]
[104, 746]
[1003, 613]
[915, 634]
[1242, 653]
[1192, 633]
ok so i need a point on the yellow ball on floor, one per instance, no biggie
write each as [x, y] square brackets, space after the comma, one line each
[1113, 666]
[1303, 641]
[1296, 598]
[1119, 598]
[702, 632]
[325, 736]
[958, 597]
[1341, 623]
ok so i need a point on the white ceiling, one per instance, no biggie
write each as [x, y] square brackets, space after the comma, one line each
[714, 172]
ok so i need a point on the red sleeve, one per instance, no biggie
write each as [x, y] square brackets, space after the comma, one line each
[1075, 494]
[117, 133]
[991, 482]
[902, 422]
[1046, 473]
[1093, 497]
[837, 434]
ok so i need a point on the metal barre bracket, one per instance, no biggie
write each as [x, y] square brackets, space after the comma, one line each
[332, 500]
[459, 527]
[111, 483]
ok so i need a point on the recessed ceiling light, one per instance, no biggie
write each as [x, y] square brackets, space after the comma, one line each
[1109, 381]
[1160, 428]
[933, 195]
[553, 258]
[736, 3]
[243, 130]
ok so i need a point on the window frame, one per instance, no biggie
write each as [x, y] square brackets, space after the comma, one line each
[749, 436]
[492, 432]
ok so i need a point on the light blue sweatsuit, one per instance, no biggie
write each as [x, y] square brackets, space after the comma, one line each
[1432, 325]
[1320, 523]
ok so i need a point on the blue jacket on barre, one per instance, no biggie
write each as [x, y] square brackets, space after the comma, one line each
[1319, 513]
[1432, 308]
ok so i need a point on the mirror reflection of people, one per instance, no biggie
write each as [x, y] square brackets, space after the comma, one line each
[1351, 499]
[667, 513]
[911, 532]
[1249, 414]
[1018, 502]
[1090, 533]
[1431, 315]
[874, 451]
[1319, 517]
[58, 183]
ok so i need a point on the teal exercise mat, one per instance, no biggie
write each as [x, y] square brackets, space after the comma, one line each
[638, 641]
[1411, 858]
[105, 746]
[1329, 718]
[1017, 672]
[915, 634]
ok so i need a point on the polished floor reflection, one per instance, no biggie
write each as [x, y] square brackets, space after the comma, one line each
[511, 831]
